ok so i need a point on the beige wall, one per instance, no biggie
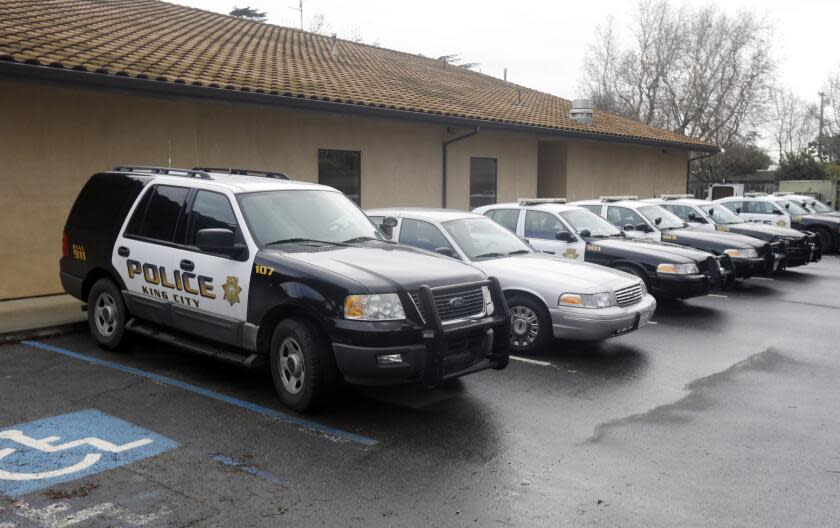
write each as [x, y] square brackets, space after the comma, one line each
[53, 138]
[552, 169]
[596, 168]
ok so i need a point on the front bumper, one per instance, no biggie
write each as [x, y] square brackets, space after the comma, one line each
[587, 324]
[430, 350]
[747, 267]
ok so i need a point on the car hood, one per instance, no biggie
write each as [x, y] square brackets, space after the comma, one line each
[824, 219]
[833, 214]
[381, 267]
[554, 275]
[761, 231]
[629, 247]
[711, 240]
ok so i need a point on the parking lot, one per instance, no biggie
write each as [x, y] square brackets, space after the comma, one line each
[723, 413]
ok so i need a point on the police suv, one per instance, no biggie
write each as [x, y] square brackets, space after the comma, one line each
[553, 227]
[252, 268]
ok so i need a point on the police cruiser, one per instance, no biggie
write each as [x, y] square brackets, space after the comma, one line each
[810, 203]
[791, 247]
[551, 226]
[547, 297]
[783, 211]
[650, 221]
[252, 268]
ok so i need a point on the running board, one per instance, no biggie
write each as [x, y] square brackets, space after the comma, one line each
[197, 346]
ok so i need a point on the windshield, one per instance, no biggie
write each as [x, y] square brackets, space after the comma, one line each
[721, 215]
[818, 206]
[793, 207]
[581, 219]
[303, 215]
[481, 238]
[669, 219]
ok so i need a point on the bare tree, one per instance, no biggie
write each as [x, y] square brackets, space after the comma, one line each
[319, 24]
[249, 13]
[793, 122]
[698, 72]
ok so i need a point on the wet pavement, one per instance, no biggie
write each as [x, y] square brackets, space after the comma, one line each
[724, 413]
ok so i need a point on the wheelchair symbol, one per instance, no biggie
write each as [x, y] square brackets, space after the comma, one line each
[47, 445]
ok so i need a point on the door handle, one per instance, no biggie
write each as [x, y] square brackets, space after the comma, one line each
[123, 251]
[187, 265]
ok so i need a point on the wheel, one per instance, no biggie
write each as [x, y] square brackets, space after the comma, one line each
[530, 324]
[633, 270]
[301, 365]
[107, 314]
[825, 239]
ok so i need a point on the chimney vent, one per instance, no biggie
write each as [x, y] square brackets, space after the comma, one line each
[334, 45]
[581, 111]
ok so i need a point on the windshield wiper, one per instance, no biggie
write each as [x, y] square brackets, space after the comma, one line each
[518, 252]
[489, 255]
[299, 240]
[364, 238]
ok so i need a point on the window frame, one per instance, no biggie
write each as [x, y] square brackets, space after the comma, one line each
[641, 217]
[358, 177]
[144, 201]
[455, 251]
[189, 240]
[556, 219]
[504, 210]
[495, 181]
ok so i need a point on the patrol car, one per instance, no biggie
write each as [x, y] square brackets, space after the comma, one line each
[650, 221]
[253, 268]
[810, 203]
[791, 247]
[785, 212]
[553, 227]
[546, 296]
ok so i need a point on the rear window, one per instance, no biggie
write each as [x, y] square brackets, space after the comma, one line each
[104, 201]
[157, 216]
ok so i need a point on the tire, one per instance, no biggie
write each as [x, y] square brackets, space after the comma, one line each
[107, 314]
[825, 239]
[525, 313]
[301, 365]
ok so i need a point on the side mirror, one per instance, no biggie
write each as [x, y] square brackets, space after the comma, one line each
[657, 220]
[737, 210]
[787, 206]
[629, 227]
[828, 203]
[777, 212]
[216, 240]
[585, 233]
[712, 212]
[445, 251]
[564, 236]
[692, 217]
[387, 226]
[643, 228]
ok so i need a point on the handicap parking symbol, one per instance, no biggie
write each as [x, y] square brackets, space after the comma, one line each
[46, 452]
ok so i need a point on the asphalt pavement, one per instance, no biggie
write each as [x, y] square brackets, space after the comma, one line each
[723, 413]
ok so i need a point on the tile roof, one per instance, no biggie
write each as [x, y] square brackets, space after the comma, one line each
[150, 39]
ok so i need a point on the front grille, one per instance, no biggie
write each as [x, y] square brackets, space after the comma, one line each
[462, 351]
[628, 296]
[454, 303]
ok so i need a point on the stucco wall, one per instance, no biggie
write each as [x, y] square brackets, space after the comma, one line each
[552, 169]
[598, 168]
[52, 138]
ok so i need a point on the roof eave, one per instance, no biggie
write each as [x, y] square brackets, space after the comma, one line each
[22, 71]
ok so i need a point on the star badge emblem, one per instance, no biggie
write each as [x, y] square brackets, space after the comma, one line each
[571, 253]
[232, 290]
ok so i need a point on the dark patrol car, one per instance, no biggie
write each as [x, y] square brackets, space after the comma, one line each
[651, 222]
[252, 268]
[669, 271]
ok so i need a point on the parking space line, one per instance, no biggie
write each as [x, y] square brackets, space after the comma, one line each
[531, 361]
[763, 278]
[265, 411]
[718, 295]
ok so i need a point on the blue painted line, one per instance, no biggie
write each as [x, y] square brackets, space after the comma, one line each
[251, 470]
[265, 411]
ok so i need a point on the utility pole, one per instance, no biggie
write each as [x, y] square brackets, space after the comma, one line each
[299, 9]
[822, 120]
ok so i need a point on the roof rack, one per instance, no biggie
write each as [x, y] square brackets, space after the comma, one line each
[167, 171]
[783, 193]
[244, 172]
[754, 194]
[676, 196]
[536, 201]
[617, 198]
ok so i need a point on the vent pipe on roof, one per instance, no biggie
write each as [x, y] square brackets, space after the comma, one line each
[505, 74]
[334, 43]
[581, 111]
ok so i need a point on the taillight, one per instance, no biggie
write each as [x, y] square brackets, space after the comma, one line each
[65, 244]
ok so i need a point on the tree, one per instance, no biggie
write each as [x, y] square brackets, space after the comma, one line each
[249, 13]
[793, 122]
[801, 165]
[319, 24]
[455, 60]
[698, 72]
[742, 158]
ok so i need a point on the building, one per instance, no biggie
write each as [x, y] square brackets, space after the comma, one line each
[89, 84]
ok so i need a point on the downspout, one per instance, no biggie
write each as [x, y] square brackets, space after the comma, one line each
[445, 147]
[688, 165]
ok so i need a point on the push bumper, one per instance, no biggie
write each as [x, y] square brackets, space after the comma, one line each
[428, 353]
[586, 324]
[685, 286]
[747, 267]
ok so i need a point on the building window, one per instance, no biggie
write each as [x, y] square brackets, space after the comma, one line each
[482, 181]
[341, 169]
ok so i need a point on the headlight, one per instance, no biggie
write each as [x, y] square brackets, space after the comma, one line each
[678, 269]
[376, 307]
[488, 300]
[741, 253]
[584, 300]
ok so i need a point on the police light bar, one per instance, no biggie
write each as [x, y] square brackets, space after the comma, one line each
[536, 201]
[783, 193]
[617, 198]
[676, 196]
[754, 194]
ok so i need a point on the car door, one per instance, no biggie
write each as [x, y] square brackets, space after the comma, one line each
[142, 254]
[425, 235]
[691, 215]
[216, 304]
[542, 230]
[766, 212]
[630, 221]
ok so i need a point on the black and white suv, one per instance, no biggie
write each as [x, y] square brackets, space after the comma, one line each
[254, 268]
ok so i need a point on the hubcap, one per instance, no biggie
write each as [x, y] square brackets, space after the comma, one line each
[105, 315]
[525, 325]
[292, 368]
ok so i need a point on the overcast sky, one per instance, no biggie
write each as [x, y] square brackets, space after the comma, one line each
[542, 42]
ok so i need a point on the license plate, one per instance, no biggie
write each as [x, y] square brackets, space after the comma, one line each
[644, 318]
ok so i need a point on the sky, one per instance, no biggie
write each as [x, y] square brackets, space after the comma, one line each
[542, 43]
